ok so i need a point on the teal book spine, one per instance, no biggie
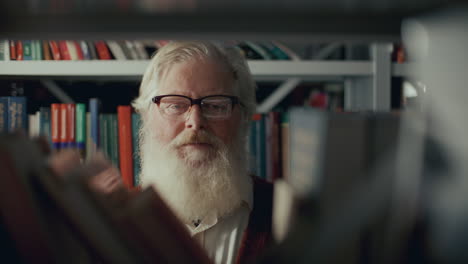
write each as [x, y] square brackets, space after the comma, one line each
[136, 123]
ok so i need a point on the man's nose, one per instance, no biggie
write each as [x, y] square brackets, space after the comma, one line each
[195, 119]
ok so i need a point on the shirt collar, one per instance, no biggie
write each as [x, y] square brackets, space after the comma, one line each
[211, 219]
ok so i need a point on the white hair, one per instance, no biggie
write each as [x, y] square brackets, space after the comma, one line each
[180, 51]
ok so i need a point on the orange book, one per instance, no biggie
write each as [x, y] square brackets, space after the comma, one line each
[13, 50]
[55, 50]
[124, 117]
[70, 134]
[19, 50]
[46, 50]
[55, 125]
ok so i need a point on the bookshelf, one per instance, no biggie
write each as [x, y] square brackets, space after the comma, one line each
[356, 75]
[368, 81]
[115, 69]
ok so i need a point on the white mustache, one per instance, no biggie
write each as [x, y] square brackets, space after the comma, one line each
[189, 137]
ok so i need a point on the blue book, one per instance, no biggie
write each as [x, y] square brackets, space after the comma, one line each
[136, 123]
[3, 114]
[17, 113]
[94, 110]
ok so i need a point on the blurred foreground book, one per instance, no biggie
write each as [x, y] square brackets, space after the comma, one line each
[46, 218]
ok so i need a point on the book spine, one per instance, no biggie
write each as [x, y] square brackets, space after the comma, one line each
[125, 144]
[27, 50]
[55, 125]
[3, 114]
[114, 139]
[44, 126]
[103, 135]
[136, 123]
[71, 120]
[80, 128]
[89, 141]
[17, 113]
[102, 51]
[78, 49]
[92, 50]
[72, 50]
[55, 50]
[46, 50]
[33, 50]
[85, 50]
[261, 153]
[63, 126]
[63, 48]
[285, 159]
[19, 50]
[3, 49]
[39, 50]
[94, 109]
[13, 55]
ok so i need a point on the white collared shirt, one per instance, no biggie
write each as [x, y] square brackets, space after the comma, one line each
[221, 238]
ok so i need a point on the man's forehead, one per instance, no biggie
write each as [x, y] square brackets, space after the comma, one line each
[197, 76]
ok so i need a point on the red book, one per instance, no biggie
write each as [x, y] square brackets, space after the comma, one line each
[19, 50]
[12, 50]
[79, 51]
[70, 134]
[55, 125]
[54, 48]
[102, 50]
[63, 126]
[64, 52]
[124, 117]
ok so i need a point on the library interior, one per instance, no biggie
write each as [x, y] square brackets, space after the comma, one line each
[200, 131]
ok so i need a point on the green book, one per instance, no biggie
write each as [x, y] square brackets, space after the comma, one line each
[80, 128]
[38, 47]
[136, 123]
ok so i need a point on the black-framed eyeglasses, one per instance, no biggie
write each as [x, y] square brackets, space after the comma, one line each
[212, 106]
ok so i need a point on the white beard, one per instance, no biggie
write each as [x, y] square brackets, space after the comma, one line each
[199, 182]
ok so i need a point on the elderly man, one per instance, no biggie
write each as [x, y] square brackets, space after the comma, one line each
[196, 100]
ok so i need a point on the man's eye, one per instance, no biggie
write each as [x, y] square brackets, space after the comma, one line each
[215, 107]
[176, 106]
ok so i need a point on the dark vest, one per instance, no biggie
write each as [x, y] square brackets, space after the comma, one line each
[257, 237]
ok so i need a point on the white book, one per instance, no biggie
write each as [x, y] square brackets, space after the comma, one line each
[4, 50]
[72, 50]
[140, 48]
[37, 123]
[33, 123]
[132, 49]
[116, 50]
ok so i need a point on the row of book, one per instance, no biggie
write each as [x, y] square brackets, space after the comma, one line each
[18, 50]
[75, 50]
[268, 146]
[73, 126]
